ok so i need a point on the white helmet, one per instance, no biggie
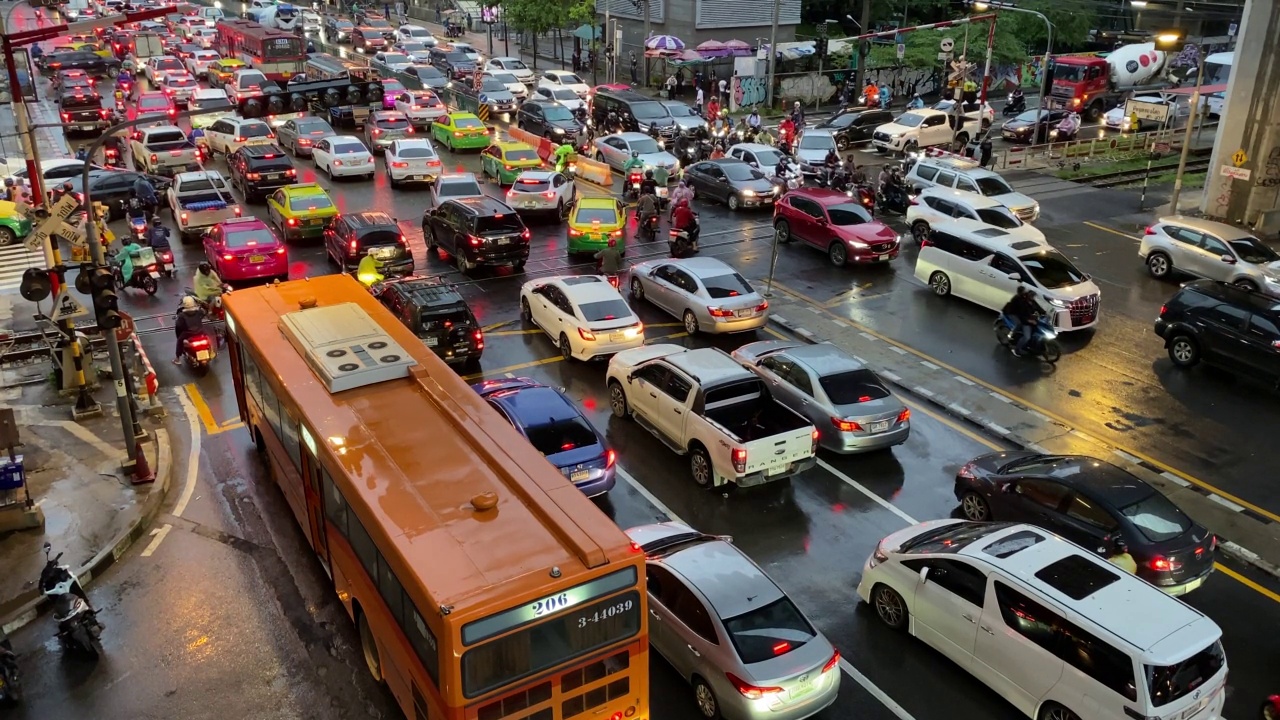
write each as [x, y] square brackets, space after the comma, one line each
[189, 303]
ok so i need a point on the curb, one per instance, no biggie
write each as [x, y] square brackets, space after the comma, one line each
[26, 607]
[965, 417]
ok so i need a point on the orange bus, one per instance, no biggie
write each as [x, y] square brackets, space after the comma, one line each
[483, 584]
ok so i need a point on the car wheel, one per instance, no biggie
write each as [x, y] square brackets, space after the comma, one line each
[461, 261]
[637, 288]
[838, 254]
[1053, 711]
[6, 236]
[733, 202]
[560, 211]
[690, 322]
[782, 231]
[920, 231]
[940, 283]
[1249, 285]
[975, 507]
[700, 467]
[1159, 265]
[890, 607]
[566, 349]
[618, 400]
[1184, 351]
[526, 314]
[706, 699]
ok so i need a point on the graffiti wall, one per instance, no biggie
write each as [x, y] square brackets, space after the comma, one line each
[807, 88]
[748, 91]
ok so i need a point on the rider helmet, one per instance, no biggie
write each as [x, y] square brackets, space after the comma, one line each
[648, 174]
[67, 187]
[189, 303]
[613, 242]
[8, 182]
[155, 222]
[635, 154]
[1119, 546]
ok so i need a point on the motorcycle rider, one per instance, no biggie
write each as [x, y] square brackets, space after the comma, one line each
[206, 284]
[189, 322]
[786, 130]
[797, 116]
[10, 191]
[157, 235]
[753, 120]
[764, 137]
[610, 259]
[369, 271]
[684, 219]
[634, 165]
[564, 153]
[1023, 310]
[916, 103]
[682, 194]
[717, 152]
[647, 208]
[1069, 126]
[146, 192]
[580, 114]
[125, 258]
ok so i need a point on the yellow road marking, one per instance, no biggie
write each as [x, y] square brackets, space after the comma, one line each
[951, 423]
[1042, 410]
[490, 328]
[1113, 231]
[211, 426]
[775, 333]
[1269, 594]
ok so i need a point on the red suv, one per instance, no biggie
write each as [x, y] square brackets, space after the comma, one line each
[835, 224]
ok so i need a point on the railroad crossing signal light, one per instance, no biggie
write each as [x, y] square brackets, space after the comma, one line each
[102, 288]
[299, 97]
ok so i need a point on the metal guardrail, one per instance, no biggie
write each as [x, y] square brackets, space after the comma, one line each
[1033, 157]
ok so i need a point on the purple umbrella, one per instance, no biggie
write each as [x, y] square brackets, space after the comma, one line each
[712, 48]
[738, 48]
[664, 43]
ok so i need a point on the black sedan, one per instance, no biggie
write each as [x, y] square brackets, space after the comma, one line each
[854, 126]
[113, 188]
[732, 182]
[1091, 503]
[90, 62]
[1018, 129]
[431, 78]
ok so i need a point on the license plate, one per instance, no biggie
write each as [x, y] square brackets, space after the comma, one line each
[257, 258]
[802, 689]
[315, 221]
[271, 177]
[416, 178]
[84, 128]
[768, 201]
[882, 258]
[744, 313]
[579, 475]
[879, 426]
[155, 274]
[616, 337]
[202, 355]
[432, 342]
[529, 205]
[504, 241]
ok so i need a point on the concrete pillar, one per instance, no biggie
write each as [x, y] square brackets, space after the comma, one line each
[1250, 122]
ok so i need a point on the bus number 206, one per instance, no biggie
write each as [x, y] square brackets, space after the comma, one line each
[551, 604]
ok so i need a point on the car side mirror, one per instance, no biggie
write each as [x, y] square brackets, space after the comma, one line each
[1228, 260]
[1015, 277]
[1008, 488]
[924, 574]
[630, 377]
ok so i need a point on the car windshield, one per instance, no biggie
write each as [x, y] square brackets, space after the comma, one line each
[312, 126]
[563, 94]
[741, 171]
[909, 119]
[183, 81]
[644, 146]
[310, 202]
[1052, 269]
[426, 72]
[395, 59]
[604, 216]
[201, 184]
[260, 237]
[1000, 217]
[412, 46]
[467, 123]
[491, 84]
[380, 238]
[727, 286]
[604, 310]
[349, 148]
[149, 104]
[392, 123]
[841, 121]
[503, 224]
[169, 64]
[1167, 683]
[648, 111]
[1157, 518]
[1028, 116]
[459, 188]
[768, 158]
[344, 24]
[521, 154]
[767, 632]
[570, 79]
[418, 151]
[505, 78]
[255, 130]
[814, 141]
[950, 538]
[852, 387]
[1069, 73]
[849, 214]
[457, 57]
[561, 436]
[1251, 250]
[993, 186]
[514, 65]
[679, 109]
[557, 112]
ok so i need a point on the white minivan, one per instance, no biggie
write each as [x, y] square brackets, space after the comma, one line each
[985, 265]
[1057, 631]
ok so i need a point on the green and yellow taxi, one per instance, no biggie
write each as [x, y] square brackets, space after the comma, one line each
[592, 221]
[96, 48]
[14, 226]
[221, 71]
[460, 131]
[504, 161]
[300, 211]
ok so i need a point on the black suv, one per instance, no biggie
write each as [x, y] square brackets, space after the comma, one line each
[477, 231]
[259, 170]
[351, 236]
[83, 112]
[437, 314]
[548, 119]
[455, 65]
[855, 126]
[636, 112]
[1222, 325]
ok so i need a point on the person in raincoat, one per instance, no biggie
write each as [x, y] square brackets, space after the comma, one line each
[564, 154]
[125, 258]
[369, 272]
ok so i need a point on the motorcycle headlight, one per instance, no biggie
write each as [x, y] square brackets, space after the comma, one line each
[1050, 334]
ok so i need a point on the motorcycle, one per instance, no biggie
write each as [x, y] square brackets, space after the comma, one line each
[894, 199]
[684, 242]
[146, 272]
[1271, 708]
[111, 157]
[1044, 337]
[1014, 105]
[790, 179]
[10, 678]
[137, 223]
[164, 261]
[648, 228]
[632, 192]
[865, 196]
[78, 626]
[198, 351]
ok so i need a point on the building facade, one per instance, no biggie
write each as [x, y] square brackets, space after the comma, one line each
[696, 21]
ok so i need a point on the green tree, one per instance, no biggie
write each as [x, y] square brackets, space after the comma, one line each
[1071, 24]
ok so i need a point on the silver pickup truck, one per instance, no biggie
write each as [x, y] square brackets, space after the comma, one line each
[200, 200]
[705, 405]
[164, 150]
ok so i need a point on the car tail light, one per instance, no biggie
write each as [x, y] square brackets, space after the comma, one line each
[280, 250]
[304, 141]
[587, 334]
[966, 471]
[749, 691]
[610, 457]
[475, 241]
[548, 195]
[408, 130]
[400, 165]
[574, 233]
[478, 336]
[1151, 230]
[905, 415]
[764, 305]
[720, 312]
[433, 163]
[66, 117]
[154, 158]
[525, 234]
[105, 113]
[1213, 543]
[237, 211]
[228, 256]
[352, 248]
[1160, 563]
[457, 134]
[816, 436]
[184, 217]
[293, 222]
[239, 139]
[912, 201]
[1163, 308]
[843, 425]
[377, 132]
[832, 663]
[740, 460]
[291, 173]
[173, 111]
[253, 176]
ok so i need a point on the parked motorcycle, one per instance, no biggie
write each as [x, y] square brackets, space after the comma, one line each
[78, 626]
[10, 679]
[1044, 338]
[1014, 105]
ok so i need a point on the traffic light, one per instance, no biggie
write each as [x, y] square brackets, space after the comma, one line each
[300, 97]
[100, 283]
[820, 47]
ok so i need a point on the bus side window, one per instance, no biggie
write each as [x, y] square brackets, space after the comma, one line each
[335, 506]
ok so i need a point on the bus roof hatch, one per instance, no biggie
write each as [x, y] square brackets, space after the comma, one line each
[344, 346]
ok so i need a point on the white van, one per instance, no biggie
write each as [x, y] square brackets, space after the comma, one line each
[966, 175]
[211, 15]
[1049, 626]
[985, 265]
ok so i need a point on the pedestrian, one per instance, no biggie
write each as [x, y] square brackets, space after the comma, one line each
[635, 69]
[679, 82]
[468, 22]
[438, 14]
[724, 92]
[671, 87]
[386, 10]
[697, 100]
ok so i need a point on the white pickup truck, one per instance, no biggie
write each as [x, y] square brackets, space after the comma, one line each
[200, 200]
[703, 404]
[164, 150]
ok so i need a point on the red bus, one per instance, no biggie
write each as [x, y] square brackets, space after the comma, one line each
[277, 54]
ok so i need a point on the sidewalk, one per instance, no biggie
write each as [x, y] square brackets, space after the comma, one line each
[51, 144]
[1245, 535]
[92, 513]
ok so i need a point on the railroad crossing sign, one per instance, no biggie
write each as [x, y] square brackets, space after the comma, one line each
[947, 45]
[1239, 158]
[902, 50]
[55, 224]
[67, 307]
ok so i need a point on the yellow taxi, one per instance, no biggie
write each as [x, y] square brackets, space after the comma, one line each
[96, 48]
[221, 71]
[593, 221]
[300, 211]
[504, 161]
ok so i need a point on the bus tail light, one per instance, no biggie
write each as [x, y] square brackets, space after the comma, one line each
[749, 691]
[740, 460]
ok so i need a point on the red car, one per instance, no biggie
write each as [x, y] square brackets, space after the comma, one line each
[246, 249]
[835, 224]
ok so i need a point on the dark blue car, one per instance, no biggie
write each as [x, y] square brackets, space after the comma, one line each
[553, 425]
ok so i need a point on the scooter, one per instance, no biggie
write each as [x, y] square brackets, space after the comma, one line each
[684, 243]
[137, 223]
[894, 199]
[1014, 105]
[865, 196]
[164, 262]
[146, 272]
[647, 228]
[632, 192]
[198, 350]
[111, 157]
[1044, 338]
[1271, 708]
[78, 626]
[10, 678]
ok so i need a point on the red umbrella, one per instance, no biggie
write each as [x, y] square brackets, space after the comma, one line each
[738, 47]
[712, 48]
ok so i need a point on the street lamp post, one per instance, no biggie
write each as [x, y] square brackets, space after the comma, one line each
[1169, 39]
[1044, 66]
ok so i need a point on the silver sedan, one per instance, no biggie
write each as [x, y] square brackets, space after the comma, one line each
[706, 294]
[851, 407]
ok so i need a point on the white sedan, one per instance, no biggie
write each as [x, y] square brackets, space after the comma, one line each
[411, 160]
[512, 65]
[343, 156]
[542, 191]
[393, 61]
[416, 33]
[422, 107]
[199, 62]
[513, 84]
[583, 315]
[558, 94]
[566, 79]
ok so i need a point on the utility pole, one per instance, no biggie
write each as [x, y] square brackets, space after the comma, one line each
[644, 7]
[773, 52]
[863, 24]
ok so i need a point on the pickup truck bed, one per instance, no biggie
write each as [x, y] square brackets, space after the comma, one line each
[757, 418]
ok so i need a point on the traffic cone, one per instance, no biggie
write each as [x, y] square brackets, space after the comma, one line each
[142, 472]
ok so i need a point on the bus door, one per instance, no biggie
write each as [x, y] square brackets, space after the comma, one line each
[313, 487]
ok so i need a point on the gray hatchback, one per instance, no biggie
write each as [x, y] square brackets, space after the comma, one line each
[729, 630]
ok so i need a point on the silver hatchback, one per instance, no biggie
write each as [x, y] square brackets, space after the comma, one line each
[851, 407]
[705, 293]
[1212, 250]
[729, 630]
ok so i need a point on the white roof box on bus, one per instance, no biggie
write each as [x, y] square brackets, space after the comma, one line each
[344, 346]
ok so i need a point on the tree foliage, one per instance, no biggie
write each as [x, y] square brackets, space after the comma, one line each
[541, 16]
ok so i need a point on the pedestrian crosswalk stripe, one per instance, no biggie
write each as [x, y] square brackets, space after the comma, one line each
[14, 260]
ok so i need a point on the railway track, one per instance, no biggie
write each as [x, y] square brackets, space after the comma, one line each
[1129, 177]
[26, 348]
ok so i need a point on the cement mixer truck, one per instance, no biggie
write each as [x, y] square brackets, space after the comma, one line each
[1091, 85]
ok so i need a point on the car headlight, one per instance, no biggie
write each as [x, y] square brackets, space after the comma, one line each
[558, 131]
[896, 136]
[748, 193]
[1056, 302]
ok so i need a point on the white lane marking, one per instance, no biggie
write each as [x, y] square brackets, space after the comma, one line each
[158, 536]
[1226, 503]
[511, 375]
[1127, 457]
[845, 665]
[1175, 479]
[929, 365]
[193, 454]
[862, 489]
